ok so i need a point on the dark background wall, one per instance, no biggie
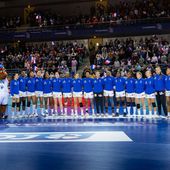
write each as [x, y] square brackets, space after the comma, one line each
[63, 7]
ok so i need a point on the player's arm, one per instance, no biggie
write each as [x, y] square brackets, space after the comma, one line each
[11, 88]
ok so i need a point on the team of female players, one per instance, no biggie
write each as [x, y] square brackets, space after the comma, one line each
[55, 94]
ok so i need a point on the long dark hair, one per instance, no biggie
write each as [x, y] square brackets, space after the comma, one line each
[30, 73]
[44, 77]
[13, 75]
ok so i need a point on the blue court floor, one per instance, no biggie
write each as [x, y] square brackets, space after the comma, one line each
[94, 144]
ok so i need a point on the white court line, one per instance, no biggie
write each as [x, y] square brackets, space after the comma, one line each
[76, 124]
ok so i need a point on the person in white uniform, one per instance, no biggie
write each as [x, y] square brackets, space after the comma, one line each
[3, 92]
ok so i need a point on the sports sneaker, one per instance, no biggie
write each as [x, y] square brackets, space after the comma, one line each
[25, 116]
[106, 115]
[62, 114]
[17, 116]
[102, 115]
[113, 115]
[31, 115]
[55, 114]
[4, 116]
[155, 116]
[86, 115]
[117, 114]
[75, 115]
[128, 115]
[46, 113]
[13, 116]
[93, 115]
[20, 116]
[124, 114]
[82, 116]
[97, 115]
[43, 114]
[35, 114]
[65, 115]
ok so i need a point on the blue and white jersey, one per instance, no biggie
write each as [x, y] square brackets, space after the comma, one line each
[139, 85]
[22, 83]
[3, 87]
[14, 87]
[56, 84]
[87, 84]
[159, 82]
[108, 83]
[67, 85]
[149, 85]
[119, 84]
[130, 85]
[77, 85]
[47, 86]
[167, 83]
[98, 85]
[30, 84]
[38, 84]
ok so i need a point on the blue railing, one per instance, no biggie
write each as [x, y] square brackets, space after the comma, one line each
[107, 29]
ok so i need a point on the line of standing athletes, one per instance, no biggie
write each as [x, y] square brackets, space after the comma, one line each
[130, 93]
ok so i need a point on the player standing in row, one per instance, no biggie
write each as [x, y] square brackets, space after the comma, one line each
[3, 92]
[39, 92]
[88, 92]
[130, 93]
[22, 92]
[140, 93]
[108, 82]
[167, 87]
[98, 93]
[67, 93]
[120, 93]
[38, 88]
[47, 94]
[31, 98]
[77, 94]
[14, 91]
[57, 94]
[159, 84]
[150, 92]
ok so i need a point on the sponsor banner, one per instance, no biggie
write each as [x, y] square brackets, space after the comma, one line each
[104, 136]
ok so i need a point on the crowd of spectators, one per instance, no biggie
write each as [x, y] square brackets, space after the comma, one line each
[123, 11]
[130, 54]
[10, 22]
[118, 54]
[57, 56]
